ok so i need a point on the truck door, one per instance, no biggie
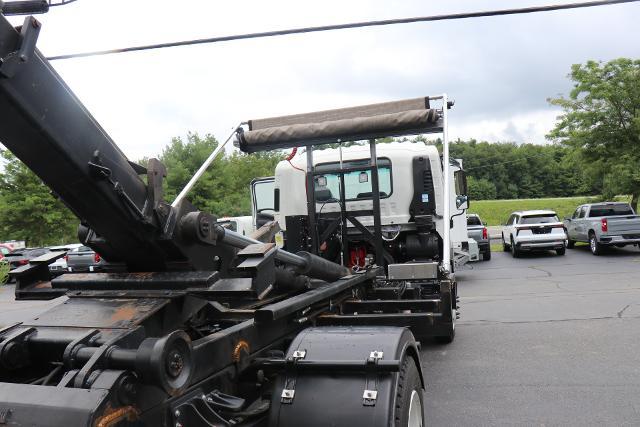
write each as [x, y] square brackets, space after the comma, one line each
[264, 203]
[573, 224]
[581, 225]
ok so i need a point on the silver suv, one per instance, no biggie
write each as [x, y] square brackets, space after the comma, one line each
[533, 231]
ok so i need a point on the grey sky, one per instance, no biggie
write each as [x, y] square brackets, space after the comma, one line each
[499, 70]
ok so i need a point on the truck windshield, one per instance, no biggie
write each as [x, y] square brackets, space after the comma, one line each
[610, 210]
[538, 219]
[357, 183]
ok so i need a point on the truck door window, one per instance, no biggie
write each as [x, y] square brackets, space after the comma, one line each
[583, 212]
[357, 183]
[263, 196]
[576, 213]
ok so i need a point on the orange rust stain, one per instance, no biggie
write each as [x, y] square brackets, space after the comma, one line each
[114, 416]
[237, 351]
[43, 285]
[126, 312]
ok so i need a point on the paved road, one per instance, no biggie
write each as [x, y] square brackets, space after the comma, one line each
[543, 340]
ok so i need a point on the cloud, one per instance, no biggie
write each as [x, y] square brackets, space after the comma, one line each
[499, 70]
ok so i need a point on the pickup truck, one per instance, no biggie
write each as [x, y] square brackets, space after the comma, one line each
[477, 231]
[603, 224]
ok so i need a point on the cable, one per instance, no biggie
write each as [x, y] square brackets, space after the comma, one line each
[303, 30]
[60, 3]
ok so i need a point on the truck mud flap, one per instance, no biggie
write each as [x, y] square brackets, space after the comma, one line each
[342, 376]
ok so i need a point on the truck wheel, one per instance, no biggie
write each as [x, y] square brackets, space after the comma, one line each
[409, 396]
[594, 245]
[486, 256]
[571, 243]
[514, 251]
[451, 333]
[560, 251]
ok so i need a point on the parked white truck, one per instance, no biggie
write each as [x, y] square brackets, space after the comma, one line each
[411, 185]
[396, 208]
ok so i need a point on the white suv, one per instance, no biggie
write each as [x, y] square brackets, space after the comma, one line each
[533, 231]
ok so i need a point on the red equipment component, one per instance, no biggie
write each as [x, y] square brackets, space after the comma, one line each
[357, 257]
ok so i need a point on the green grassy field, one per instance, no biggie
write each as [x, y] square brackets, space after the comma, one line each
[496, 212]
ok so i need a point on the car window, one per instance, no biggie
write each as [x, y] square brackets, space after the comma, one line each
[473, 220]
[576, 214]
[539, 219]
[621, 209]
[583, 212]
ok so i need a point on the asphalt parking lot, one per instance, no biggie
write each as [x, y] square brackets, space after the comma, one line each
[543, 340]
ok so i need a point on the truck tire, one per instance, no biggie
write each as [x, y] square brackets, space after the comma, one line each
[514, 250]
[594, 245]
[451, 333]
[409, 410]
[561, 252]
[571, 244]
[486, 256]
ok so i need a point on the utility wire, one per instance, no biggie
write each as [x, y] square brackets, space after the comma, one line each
[363, 24]
[52, 3]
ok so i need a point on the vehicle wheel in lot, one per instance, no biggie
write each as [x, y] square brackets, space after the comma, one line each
[571, 243]
[514, 251]
[486, 256]
[409, 396]
[451, 333]
[596, 248]
[560, 251]
[505, 247]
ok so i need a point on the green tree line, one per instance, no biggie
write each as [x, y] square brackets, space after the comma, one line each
[527, 171]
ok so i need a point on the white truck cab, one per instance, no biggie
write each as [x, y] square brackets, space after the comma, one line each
[410, 180]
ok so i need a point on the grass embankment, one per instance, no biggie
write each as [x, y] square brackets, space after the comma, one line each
[496, 212]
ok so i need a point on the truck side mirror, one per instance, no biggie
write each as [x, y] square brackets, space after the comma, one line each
[462, 202]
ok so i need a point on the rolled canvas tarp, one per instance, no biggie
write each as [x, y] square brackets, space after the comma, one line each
[347, 124]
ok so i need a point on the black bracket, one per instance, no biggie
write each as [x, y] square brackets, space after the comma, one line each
[14, 352]
[28, 37]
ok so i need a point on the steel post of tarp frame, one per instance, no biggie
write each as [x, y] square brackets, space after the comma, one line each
[446, 238]
[311, 201]
[375, 195]
[194, 179]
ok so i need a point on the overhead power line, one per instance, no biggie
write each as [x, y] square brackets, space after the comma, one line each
[334, 27]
